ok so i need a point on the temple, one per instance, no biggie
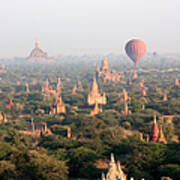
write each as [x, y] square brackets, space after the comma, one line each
[161, 138]
[107, 74]
[176, 83]
[37, 55]
[135, 76]
[79, 86]
[114, 171]
[74, 90]
[37, 130]
[96, 110]
[58, 87]
[165, 98]
[27, 88]
[3, 118]
[2, 69]
[124, 96]
[58, 107]
[126, 109]
[94, 96]
[143, 93]
[47, 90]
[157, 135]
[141, 84]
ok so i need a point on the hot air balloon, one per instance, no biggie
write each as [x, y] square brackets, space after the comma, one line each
[135, 49]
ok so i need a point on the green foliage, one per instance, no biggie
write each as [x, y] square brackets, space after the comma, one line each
[81, 162]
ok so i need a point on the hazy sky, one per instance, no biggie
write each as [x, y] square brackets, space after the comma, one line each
[70, 26]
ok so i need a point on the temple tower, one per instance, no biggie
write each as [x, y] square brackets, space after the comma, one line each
[125, 95]
[74, 90]
[27, 88]
[135, 76]
[165, 97]
[58, 107]
[114, 171]
[58, 87]
[176, 83]
[143, 93]
[36, 45]
[96, 110]
[69, 133]
[94, 95]
[79, 86]
[161, 138]
[105, 66]
[154, 131]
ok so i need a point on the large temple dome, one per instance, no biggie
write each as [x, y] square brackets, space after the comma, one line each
[37, 55]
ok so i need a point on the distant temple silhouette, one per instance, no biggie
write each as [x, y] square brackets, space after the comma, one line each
[108, 75]
[37, 55]
[94, 96]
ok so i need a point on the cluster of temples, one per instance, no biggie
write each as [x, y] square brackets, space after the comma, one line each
[157, 134]
[106, 73]
[58, 106]
[47, 90]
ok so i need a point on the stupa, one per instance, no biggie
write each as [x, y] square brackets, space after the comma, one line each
[37, 55]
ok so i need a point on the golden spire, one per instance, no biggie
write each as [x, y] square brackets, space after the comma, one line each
[94, 87]
[37, 45]
[161, 138]
[154, 119]
[176, 82]
[105, 64]
[165, 97]
[74, 89]
[135, 76]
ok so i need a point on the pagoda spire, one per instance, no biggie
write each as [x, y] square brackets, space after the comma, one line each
[135, 76]
[176, 83]
[161, 138]
[94, 87]
[103, 177]
[154, 131]
[112, 158]
[37, 44]
[74, 90]
[154, 119]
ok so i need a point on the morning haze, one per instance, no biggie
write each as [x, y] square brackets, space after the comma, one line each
[91, 26]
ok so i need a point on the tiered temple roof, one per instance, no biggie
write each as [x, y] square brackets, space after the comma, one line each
[107, 74]
[37, 55]
[114, 171]
[58, 107]
[95, 96]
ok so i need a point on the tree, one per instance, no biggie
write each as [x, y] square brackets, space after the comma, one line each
[81, 162]
[37, 165]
